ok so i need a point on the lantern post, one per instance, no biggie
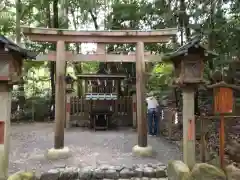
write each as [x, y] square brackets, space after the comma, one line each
[188, 63]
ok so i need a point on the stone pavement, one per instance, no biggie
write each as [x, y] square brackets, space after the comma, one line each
[29, 143]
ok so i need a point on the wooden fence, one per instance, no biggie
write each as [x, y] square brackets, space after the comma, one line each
[80, 108]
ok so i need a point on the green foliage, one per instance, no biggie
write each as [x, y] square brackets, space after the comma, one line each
[36, 108]
[7, 20]
[90, 67]
[218, 22]
[161, 77]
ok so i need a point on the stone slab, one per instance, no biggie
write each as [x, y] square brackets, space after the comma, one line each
[142, 151]
[54, 154]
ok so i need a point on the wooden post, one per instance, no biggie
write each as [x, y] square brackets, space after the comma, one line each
[223, 103]
[170, 124]
[140, 94]
[203, 139]
[5, 109]
[117, 87]
[65, 94]
[101, 48]
[188, 127]
[60, 96]
[222, 141]
[85, 86]
[134, 110]
[68, 109]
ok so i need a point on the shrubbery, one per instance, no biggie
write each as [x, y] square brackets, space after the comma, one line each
[35, 109]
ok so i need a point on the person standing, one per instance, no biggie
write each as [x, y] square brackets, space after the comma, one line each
[152, 114]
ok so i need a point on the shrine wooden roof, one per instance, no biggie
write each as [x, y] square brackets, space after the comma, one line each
[193, 46]
[24, 53]
[101, 76]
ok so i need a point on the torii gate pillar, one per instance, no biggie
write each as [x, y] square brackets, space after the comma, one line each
[59, 151]
[142, 148]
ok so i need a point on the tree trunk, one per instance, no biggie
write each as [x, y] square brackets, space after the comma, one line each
[18, 16]
[94, 18]
[21, 96]
[52, 64]
[78, 69]
[183, 23]
[49, 20]
[77, 65]
[211, 38]
[181, 20]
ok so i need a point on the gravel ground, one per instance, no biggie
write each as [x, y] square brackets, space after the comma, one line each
[29, 143]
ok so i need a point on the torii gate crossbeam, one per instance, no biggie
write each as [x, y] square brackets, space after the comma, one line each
[113, 36]
[72, 57]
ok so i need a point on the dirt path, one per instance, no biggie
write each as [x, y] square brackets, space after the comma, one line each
[29, 143]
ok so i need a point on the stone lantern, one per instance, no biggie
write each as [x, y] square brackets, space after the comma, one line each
[188, 61]
[69, 84]
[11, 61]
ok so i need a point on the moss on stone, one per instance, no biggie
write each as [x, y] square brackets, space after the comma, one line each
[233, 173]
[177, 170]
[22, 176]
[204, 171]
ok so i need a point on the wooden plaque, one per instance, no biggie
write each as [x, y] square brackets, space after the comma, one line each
[191, 130]
[2, 124]
[223, 100]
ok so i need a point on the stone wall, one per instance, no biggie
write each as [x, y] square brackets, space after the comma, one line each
[149, 171]
[177, 170]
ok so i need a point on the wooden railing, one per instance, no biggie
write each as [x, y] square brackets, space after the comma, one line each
[78, 106]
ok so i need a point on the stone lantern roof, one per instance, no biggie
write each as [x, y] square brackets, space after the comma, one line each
[11, 46]
[193, 46]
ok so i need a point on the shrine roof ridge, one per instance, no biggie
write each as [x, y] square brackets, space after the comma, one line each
[16, 48]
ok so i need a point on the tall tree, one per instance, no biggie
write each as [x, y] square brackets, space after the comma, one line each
[53, 64]
[21, 96]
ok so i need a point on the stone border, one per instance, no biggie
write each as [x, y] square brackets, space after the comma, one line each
[106, 172]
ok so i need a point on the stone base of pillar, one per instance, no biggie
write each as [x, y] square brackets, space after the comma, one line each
[53, 154]
[134, 129]
[68, 125]
[142, 151]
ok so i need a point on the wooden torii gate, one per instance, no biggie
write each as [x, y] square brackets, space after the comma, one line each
[61, 36]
